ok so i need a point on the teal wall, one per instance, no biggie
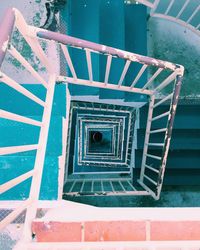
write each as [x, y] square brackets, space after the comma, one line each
[112, 23]
[107, 22]
[14, 133]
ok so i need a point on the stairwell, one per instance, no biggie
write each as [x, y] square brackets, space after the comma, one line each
[75, 223]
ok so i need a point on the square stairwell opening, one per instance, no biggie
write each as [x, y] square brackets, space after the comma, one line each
[118, 149]
[100, 141]
[115, 168]
[100, 148]
[104, 150]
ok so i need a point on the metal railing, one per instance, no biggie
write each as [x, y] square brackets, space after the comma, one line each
[114, 109]
[13, 18]
[186, 13]
[151, 89]
[102, 186]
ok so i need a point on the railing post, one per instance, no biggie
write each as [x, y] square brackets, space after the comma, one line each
[39, 161]
[147, 135]
[65, 142]
[155, 5]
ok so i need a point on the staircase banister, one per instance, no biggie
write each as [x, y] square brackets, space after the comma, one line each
[84, 44]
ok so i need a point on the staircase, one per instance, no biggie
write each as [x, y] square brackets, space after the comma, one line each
[183, 165]
[157, 112]
[121, 34]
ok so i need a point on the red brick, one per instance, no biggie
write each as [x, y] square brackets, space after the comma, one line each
[115, 231]
[175, 230]
[57, 231]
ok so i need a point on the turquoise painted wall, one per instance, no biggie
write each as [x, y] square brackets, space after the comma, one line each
[14, 133]
[107, 22]
[112, 23]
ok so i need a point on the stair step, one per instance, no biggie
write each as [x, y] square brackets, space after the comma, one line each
[182, 177]
[177, 159]
[83, 90]
[187, 117]
[16, 101]
[181, 139]
[111, 94]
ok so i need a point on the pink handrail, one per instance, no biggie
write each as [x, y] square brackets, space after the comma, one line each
[103, 49]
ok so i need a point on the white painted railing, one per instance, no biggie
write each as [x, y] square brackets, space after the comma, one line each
[151, 89]
[191, 7]
[13, 17]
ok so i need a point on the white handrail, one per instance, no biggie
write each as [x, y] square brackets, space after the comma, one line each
[7, 220]
[13, 84]
[40, 157]
[11, 116]
[12, 183]
[17, 149]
